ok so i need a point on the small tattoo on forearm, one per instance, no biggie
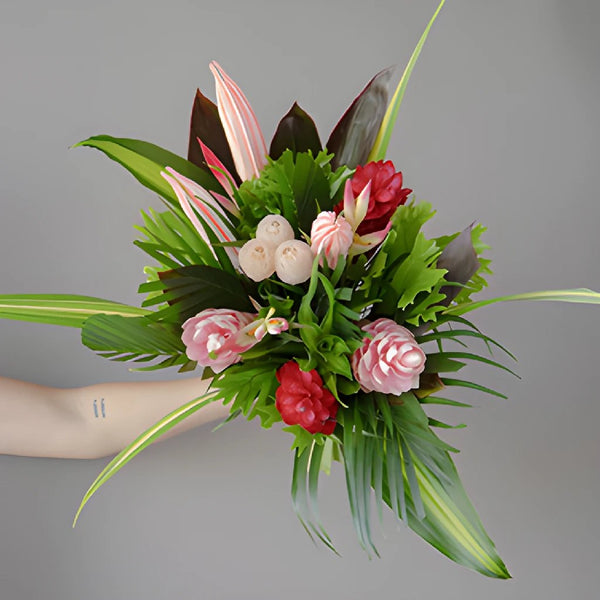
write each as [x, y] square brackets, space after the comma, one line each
[102, 413]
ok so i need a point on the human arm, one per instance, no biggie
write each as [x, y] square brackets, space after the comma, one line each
[92, 421]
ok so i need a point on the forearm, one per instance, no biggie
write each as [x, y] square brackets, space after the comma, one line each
[92, 421]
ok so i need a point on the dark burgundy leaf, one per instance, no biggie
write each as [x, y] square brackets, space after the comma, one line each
[460, 260]
[206, 125]
[353, 137]
[296, 131]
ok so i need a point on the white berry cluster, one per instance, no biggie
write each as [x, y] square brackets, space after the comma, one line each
[274, 250]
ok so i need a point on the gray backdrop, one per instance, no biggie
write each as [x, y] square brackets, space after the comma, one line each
[499, 124]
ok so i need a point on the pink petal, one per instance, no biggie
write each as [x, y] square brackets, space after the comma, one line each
[364, 243]
[187, 209]
[224, 177]
[189, 192]
[240, 124]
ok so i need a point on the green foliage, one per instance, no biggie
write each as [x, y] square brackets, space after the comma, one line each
[296, 185]
[581, 295]
[147, 161]
[308, 463]
[143, 441]
[390, 447]
[138, 339]
[403, 278]
[192, 289]
[385, 131]
[171, 239]
[68, 310]
[250, 389]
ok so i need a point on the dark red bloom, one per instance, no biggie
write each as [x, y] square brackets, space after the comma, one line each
[302, 400]
[387, 194]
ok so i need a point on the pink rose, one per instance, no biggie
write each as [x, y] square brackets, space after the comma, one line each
[331, 235]
[214, 337]
[390, 361]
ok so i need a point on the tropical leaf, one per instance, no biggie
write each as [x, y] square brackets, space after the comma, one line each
[61, 309]
[352, 138]
[384, 134]
[305, 478]
[296, 132]
[454, 334]
[205, 124]
[172, 240]
[447, 381]
[189, 290]
[358, 465]
[143, 441]
[139, 339]
[450, 523]
[415, 274]
[146, 162]
[580, 295]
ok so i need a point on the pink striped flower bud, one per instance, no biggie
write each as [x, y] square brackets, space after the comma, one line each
[332, 236]
[390, 361]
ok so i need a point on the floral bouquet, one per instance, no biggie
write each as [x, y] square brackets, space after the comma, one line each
[298, 277]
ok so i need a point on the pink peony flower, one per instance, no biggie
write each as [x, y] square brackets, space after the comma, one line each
[390, 361]
[214, 337]
[331, 235]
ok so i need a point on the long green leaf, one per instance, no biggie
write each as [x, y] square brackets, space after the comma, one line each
[143, 441]
[61, 309]
[450, 523]
[146, 161]
[580, 295]
[385, 131]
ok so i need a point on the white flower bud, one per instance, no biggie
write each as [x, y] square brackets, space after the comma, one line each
[293, 261]
[274, 229]
[257, 259]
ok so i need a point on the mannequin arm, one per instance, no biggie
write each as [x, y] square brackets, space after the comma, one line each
[92, 421]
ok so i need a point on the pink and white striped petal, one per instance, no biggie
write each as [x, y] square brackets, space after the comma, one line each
[241, 127]
[186, 206]
[224, 177]
[193, 197]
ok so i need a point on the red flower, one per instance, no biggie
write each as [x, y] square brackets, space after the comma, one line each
[387, 194]
[302, 400]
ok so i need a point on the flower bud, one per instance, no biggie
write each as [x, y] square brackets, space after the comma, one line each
[257, 259]
[293, 261]
[390, 361]
[275, 230]
[332, 236]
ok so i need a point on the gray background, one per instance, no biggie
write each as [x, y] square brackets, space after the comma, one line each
[499, 124]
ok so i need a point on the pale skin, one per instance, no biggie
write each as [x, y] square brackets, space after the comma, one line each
[93, 421]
